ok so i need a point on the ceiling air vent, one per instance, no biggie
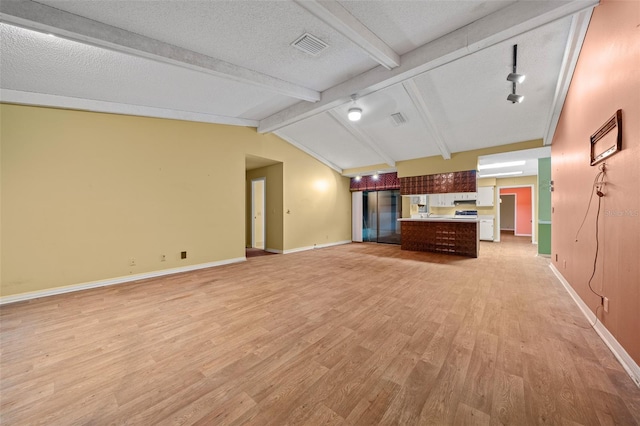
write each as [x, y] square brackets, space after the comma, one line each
[398, 119]
[310, 44]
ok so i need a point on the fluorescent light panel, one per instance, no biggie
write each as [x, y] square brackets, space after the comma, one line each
[501, 165]
[501, 174]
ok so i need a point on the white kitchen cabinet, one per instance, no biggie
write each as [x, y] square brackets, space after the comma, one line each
[434, 200]
[486, 229]
[465, 196]
[485, 196]
[448, 200]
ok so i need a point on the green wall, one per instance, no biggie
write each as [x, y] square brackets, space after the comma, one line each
[544, 206]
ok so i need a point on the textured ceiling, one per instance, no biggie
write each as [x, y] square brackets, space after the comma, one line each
[36, 62]
[406, 25]
[253, 34]
[442, 64]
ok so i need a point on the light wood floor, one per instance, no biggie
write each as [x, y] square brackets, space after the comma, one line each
[355, 334]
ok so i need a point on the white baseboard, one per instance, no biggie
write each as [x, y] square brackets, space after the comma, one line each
[317, 246]
[113, 281]
[629, 365]
[270, 250]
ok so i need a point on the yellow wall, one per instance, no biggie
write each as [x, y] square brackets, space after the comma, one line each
[460, 161]
[84, 193]
[317, 205]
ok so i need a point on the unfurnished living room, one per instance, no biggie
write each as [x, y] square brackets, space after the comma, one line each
[319, 212]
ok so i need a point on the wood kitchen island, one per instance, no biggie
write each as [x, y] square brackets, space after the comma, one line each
[441, 235]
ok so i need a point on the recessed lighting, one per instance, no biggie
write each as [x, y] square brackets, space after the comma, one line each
[375, 177]
[500, 165]
[501, 174]
[354, 114]
[358, 178]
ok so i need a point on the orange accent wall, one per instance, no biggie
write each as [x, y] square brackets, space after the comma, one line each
[607, 78]
[523, 209]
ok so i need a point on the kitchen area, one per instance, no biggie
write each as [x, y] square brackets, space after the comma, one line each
[439, 213]
[456, 206]
[452, 212]
[447, 222]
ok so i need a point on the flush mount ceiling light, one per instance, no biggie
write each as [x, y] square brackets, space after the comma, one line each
[514, 78]
[358, 178]
[375, 176]
[354, 113]
[500, 165]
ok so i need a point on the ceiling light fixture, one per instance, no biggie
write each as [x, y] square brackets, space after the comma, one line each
[500, 165]
[354, 113]
[358, 178]
[375, 176]
[501, 174]
[515, 99]
[514, 78]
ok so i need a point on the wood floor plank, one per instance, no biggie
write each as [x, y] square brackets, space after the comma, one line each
[408, 403]
[479, 383]
[356, 334]
[508, 405]
[442, 403]
[469, 416]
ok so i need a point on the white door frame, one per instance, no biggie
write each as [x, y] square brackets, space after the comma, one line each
[253, 211]
[356, 216]
[534, 239]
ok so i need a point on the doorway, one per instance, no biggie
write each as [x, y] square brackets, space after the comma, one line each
[508, 212]
[519, 218]
[258, 224]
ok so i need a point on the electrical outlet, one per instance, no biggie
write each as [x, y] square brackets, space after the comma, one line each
[163, 257]
[564, 264]
[556, 257]
[183, 255]
[606, 304]
[132, 262]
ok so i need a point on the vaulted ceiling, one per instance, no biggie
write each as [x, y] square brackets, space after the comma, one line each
[441, 64]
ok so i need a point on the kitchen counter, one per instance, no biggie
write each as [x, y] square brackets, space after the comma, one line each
[441, 235]
[438, 219]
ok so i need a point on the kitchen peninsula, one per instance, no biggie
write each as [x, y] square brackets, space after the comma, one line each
[441, 235]
[453, 234]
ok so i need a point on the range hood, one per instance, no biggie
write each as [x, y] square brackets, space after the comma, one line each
[465, 202]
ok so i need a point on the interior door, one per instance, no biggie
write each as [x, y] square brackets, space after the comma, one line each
[257, 213]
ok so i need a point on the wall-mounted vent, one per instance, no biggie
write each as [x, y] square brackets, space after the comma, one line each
[309, 44]
[398, 119]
